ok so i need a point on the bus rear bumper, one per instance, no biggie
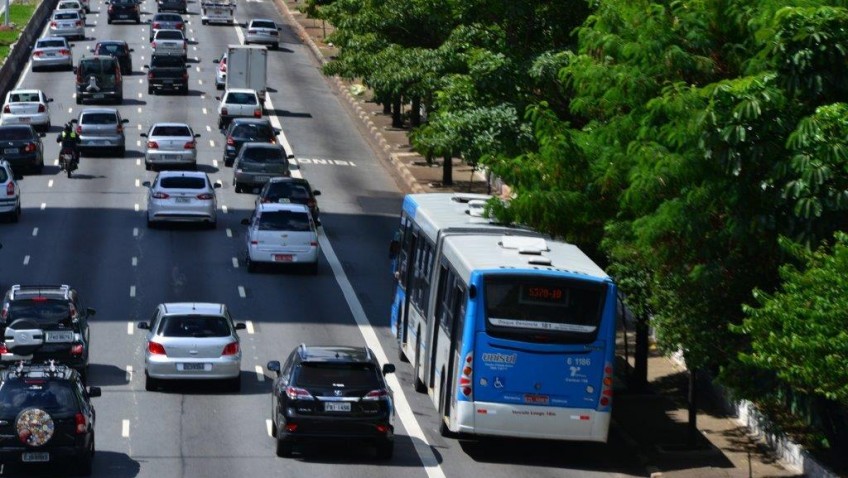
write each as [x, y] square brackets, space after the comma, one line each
[527, 421]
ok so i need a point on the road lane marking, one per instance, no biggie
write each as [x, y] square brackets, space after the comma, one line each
[50, 183]
[200, 82]
[204, 111]
[225, 209]
[132, 291]
[214, 161]
[43, 206]
[268, 427]
[138, 162]
[135, 232]
[137, 182]
[129, 373]
[136, 207]
[260, 375]
[138, 126]
[34, 231]
[26, 259]
[208, 129]
[138, 143]
[249, 325]
[229, 232]
[241, 292]
[235, 262]
[130, 328]
[140, 96]
[139, 109]
[125, 428]
[134, 261]
[212, 143]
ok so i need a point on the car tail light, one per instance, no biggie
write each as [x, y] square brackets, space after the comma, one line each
[80, 421]
[379, 394]
[465, 377]
[150, 75]
[205, 196]
[10, 189]
[313, 243]
[291, 427]
[77, 23]
[231, 348]
[152, 145]
[135, 8]
[7, 109]
[42, 108]
[297, 393]
[382, 429]
[252, 32]
[311, 203]
[29, 148]
[155, 26]
[257, 113]
[4, 313]
[153, 45]
[273, 140]
[77, 349]
[224, 111]
[120, 127]
[38, 54]
[155, 348]
[190, 145]
[53, 24]
[230, 141]
[185, 75]
[160, 195]
[223, 67]
[64, 52]
[111, 8]
[3, 349]
[79, 130]
[606, 389]
[179, 26]
[40, 298]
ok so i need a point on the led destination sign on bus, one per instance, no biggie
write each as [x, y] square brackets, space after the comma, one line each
[537, 294]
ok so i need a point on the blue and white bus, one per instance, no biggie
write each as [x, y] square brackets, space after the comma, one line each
[426, 219]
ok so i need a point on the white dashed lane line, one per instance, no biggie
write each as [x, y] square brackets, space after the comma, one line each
[249, 327]
[135, 261]
[43, 206]
[132, 291]
[129, 373]
[235, 262]
[212, 143]
[241, 292]
[208, 129]
[125, 428]
[130, 328]
[26, 259]
[35, 231]
[204, 111]
[137, 182]
[268, 427]
[50, 183]
[229, 232]
[225, 209]
[135, 232]
[260, 375]
[137, 207]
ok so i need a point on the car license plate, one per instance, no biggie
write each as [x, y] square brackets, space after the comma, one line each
[10, 150]
[49, 54]
[35, 457]
[183, 200]
[284, 201]
[536, 399]
[100, 95]
[336, 406]
[168, 82]
[282, 258]
[24, 119]
[262, 179]
[217, 12]
[59, 336]
[194, 366]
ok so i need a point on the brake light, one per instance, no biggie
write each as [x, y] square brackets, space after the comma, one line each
[252, 32]
[3, 349]
[160, 195]
[76, 349]
[231, 348]
[29, 148]
[39, 299]
[382, 429]
[297, 393]
[120, 127]
[291, 427]
[77, 23]
[379, 394]
[224, 111]
[81, 422]
[185, 75]
[135, 8]
[179, 26]
[311, 203]
[155, 349]
[257, 113]
[10, 189]
[42, 108]
[79, 130]
[38, 54]
[190, 145]
[53, 24]
[153, 45]
[273, 140]
[156, 26]
[465, 378]
[7, 109]
[64, 52]
[230, 141]
[152, 145]
[223, 67]
[150, 75]
[313, 243]
[111, 8]
[606, 388]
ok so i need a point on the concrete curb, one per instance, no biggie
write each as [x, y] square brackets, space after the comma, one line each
[19, 52]
[378, 137]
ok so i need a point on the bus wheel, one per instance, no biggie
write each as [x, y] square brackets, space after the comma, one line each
[401, 356]
[418, 384]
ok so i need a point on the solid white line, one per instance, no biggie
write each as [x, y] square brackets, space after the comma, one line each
[130, 328]
[135, 261]
[229, 232]
[275, 122]
[260, 375]
[249, 327]
[132, 291]
[135, 232]
[125, 428]
[241, 292]
[26, 259]
[268, 427]
[35, 231]
[129, 373]
[235, 263]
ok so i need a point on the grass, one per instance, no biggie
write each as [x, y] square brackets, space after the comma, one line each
[19, 16]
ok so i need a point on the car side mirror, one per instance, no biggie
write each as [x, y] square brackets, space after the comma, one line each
[41, 135]
[241, 326]
[196, 135]
[274, 366]
[74, 121]
[290, 156]
[316, 193]
[94, 392]
[146, 67]
[132, 50]
[76, 67]
[277, 131]
[216, 185]
[245, 222]
[143, 325]
[218, 98]
[125, 121]
[90, 311]
[388, 368]
[49, 100]
[216, 60]
[143, 135]
[146, 184]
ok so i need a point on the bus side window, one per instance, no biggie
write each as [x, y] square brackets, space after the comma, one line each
[425, 278]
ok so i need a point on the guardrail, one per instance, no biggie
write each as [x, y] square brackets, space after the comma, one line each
[20, 50]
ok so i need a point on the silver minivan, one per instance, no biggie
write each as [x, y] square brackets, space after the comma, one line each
[101, 129]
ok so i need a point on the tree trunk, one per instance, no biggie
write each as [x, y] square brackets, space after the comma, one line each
[387, 107]
[397, 116]
[447, 171]
[640, 356]
[415, 113]
[692, 436]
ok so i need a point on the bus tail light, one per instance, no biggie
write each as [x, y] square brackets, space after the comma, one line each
[606, 388]
[465, 385]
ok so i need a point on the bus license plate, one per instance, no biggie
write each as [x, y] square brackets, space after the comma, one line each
[282, 258]
[194, 366]
[54, 336]
[336, 406]
[536, 399]
[35, 457]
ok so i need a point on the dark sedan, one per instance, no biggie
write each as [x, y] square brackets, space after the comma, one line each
[118, 49]
[247, 130]
[286, 190]
[21, 146]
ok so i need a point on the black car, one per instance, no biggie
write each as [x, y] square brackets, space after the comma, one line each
[117, 49]
[166, 21]
[99, 78]
[332, 393]
[167, 72]
[59, 312]
[290, 190]
[172, 5]
[46, 416]
[244, 130]
[21, 146]
[123, 10]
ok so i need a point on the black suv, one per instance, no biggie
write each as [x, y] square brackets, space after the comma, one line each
[118, 49]
[46, 415]
[123, 10]
[59, 312]
[290, 190]
[244, 130]
[99, 78]
[332, 392]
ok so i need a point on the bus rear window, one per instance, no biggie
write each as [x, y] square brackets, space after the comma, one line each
[543, 310]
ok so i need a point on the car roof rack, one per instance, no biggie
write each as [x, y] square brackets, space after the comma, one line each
[40, 288]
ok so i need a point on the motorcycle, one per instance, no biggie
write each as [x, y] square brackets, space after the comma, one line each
[68, 161]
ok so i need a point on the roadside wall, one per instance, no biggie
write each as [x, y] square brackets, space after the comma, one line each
[20, 51]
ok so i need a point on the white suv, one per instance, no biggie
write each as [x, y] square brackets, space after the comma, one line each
[281, 234]
[10, 193]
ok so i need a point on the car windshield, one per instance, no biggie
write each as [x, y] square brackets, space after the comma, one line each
[263, 155]
[66, 16]
[194, 326]
[337, 375]
[110, 48]
[96, 67]
[3, 175]
[23, 97]
[50, 44]
[169, 35]
[68, 6]
[264, 24]
[182, 182]
[160, 61]
[15, 133]
[292, 191]
[99, 118]
[284, 221]
[252, 131]
[241, 99]
[168, 17]
[48, 395]
[43, 311]
[170, 131]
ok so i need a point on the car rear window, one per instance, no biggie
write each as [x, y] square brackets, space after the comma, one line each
[164, 61]
[264, 24]
[3, 175]
[99, 118]
[66, 16]
[169, 35]
[44, 311]
[97, 67]
[50, 44]
[336, 375]
[239, 98]
[48, 395]
[167, 17]
[111, 48]
[68, 6]
[292, 191]
[253, 131]
[15, 133]
[182, 182]
[170, 131]
[263, 155]
[284, 221]
[194, 326]
[23, 97]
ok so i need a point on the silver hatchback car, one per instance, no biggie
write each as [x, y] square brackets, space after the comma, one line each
[182, 196]
[192, 341]
[101, 129]
[170, 144]
[263, 31]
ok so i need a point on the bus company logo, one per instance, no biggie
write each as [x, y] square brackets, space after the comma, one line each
[499, 358]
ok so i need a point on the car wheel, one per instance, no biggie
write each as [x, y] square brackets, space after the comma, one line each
[284, 448]
[251, 266]
[237, 186]
[109, 21]
[119, 99]
[228, 163]
[184, 90]
[385, 450]
[150, 383]
[84, 462]
[150, 224]
[15, 216]
[204, 22]
[212, 225]
[79, 100]
[122, 151]
[150, 91]
[220, 123]
[312, 269]
[234, 384]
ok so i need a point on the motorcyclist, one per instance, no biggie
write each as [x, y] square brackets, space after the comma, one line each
[70, 140]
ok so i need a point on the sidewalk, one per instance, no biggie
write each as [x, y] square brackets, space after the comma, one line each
[654, 422]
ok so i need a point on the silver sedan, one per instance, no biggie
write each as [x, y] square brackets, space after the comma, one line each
[182, 196]
[170, 144]
[263, 31]
[192, 341]
[68, 24]
[52, 52]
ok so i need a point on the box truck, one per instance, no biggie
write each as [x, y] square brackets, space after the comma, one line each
[247, 67]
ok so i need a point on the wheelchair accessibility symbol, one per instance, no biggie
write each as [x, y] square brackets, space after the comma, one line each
[499, 382]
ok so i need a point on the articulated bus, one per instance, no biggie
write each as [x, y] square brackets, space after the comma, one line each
[426, 219]
[516, 336]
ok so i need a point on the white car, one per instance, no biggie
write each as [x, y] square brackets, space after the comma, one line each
[30, 107]
[72, 5]
[283, 234]
[170, 42]
[263, 31]
[10, 193]
[238, 103]
[182, 196]
[170, 144]
[221, 71]
[192, 341]
[68, 24]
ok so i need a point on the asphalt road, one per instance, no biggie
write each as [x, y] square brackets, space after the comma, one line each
[89, 231]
